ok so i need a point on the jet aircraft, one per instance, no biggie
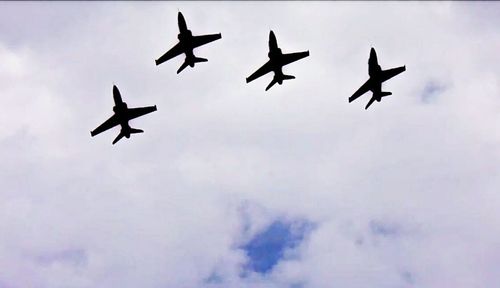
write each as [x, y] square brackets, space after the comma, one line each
[276, 62]
[121, 117]
[187, 42]
[374, 83]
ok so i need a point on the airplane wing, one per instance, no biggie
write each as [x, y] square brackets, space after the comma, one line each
[137, 112]
[388, 74]
[266, 68]
[173, 52]
[204, 39]
[292, 57]
[362, 90]
[108, 124]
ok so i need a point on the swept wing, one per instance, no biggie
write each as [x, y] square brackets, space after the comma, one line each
[108, 124]
[362, 90]
[173, 52]
[388, 74]
[266, 68]
[137, 112]
[204, 39]
[292, 57]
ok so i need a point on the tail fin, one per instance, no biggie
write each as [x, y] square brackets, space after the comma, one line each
[120, 136]
[288, 77]
[134, 131]
[271, 84]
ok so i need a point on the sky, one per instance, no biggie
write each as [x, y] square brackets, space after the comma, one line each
[233, 186]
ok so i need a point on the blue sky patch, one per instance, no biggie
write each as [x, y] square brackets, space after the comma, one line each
[380, 228]
[73, 257]
[267, 248]
[431, 91]
[214, 278]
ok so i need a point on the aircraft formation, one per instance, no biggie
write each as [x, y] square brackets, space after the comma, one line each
[277, 59]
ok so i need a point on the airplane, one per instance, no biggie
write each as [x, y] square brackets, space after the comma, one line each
[374, 83]
[276, 62]
[121, 117]
[187, 42]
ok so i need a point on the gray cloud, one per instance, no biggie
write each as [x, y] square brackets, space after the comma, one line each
[221, 159]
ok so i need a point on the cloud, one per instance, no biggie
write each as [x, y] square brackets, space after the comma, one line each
[397, 191]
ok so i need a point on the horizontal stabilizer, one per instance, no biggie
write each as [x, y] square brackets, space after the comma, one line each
[134, 131]
[196, 60]
[382, 94]
[183, 66]
[370, 102]
[271, 84]
[120, 136]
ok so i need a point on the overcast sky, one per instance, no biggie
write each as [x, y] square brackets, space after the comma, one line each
[232, 186]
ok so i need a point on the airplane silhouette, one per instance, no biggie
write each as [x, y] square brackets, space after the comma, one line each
[187, 42]
[374, 83]
[121, 117]
[276, 62]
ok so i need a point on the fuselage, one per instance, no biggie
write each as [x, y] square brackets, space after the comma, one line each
[186, 42]
[374, 70]
[185, 37]
[276, 59]
[375, 78]
[120, 110]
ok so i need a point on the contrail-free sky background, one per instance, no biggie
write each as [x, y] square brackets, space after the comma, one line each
[232, 186]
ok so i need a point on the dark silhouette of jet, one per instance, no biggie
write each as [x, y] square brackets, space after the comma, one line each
[374, 83]
[187, 42]
[276, 62]
[121, 117]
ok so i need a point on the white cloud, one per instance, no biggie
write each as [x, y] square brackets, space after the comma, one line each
[221, 159]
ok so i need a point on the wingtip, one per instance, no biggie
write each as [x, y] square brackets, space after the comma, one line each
[156, 62]
[247, 80]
